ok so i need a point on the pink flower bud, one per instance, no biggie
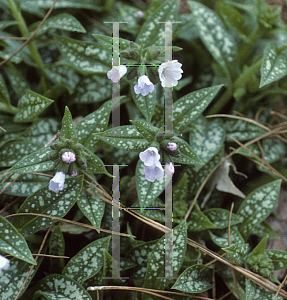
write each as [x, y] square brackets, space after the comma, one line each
[68, 157]
[169, 169]
[171, 146]
[140, 14]
[74, 174]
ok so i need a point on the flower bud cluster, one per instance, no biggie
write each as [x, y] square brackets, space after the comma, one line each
[261, 264]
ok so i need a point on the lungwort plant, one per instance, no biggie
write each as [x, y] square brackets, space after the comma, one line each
[143, 149]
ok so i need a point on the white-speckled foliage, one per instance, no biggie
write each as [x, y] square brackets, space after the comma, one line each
[91, 206]
[4, 95]
[256, 292]
[47, 202]
[198, 221]
[61, 21]
[274, 65]
[218, 41]
[61, 287]
[220, 217]
[156, 261]
[107, 42]
[279, 258]
[242, 130]
[206, 138]
[126, 137]
[237, 252]
[152, 33]
[85, 57]
[195, 279]
[68, 129]
[93, 123]
[222, 239]
[257, 206]
[147, 191]
[87, 262]
[13, 278]
[57, 247]
[146, 130]
[13, 243]
[30, 106]
[189, 107]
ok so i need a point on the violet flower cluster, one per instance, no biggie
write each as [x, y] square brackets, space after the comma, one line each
[153, 169]
[169, 74]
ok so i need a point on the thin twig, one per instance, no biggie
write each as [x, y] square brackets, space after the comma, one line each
[280, 287]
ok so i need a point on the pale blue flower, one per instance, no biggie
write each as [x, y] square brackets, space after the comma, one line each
[144, 86]
[154, 172]
[4, 263]
[116, 73]
[57, 182]
[169, 169]
[150, 156]
[169, 73]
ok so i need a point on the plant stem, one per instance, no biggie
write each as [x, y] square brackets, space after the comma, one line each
[25, 32]
[11, 109]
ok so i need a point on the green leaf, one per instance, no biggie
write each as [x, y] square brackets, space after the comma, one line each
[219, 42]
[156, 262]
[242, 130]
[220, 217]
[146, 130]
[68, 129]
[37, 161]
[187, 155]
[61, 21]
[93, 123]
[12, 152]
[146, 104]
[237, 252]
[154, 211]
[17, 80]
[147, 191]
[13, 278]
[12, 242]
[152, 33]
[259, 249]
[85, 57]
[28, 185]
[47, 202]
[95, 164]
[87, 262]
[93, 89]
[180, 193]
[198, 221]
[61, 287]
[57, 248]
[91, 206]
[189, 107]
[30, 106]
[125, 137]
[274, 65]
[264, 229]
[4, 95]
[256, 292]
[95, 5]
[107, 42]
[5, 24]
[195, 279]
[257, 206]
[279, 258]
[222, 240]
[206, 138]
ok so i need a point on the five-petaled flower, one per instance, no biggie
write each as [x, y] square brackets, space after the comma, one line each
[68, 157]
[154, 172]
[144, 86]
[169, 73]
[150, 156]
[116, 73]
[169, 169]
[57, 182]
[4, 263]
[171, 146]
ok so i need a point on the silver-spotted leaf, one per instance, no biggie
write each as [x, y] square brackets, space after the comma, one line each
[220, 217]
[30, 106]
[47, 202]
[146, 130]
[279, 258]
[87, 262]
[257, 206]
[157, 264]
[68, 129]
[189, 107]
[12, 242]
[274, 65]
[195, 279]
[222, 239]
